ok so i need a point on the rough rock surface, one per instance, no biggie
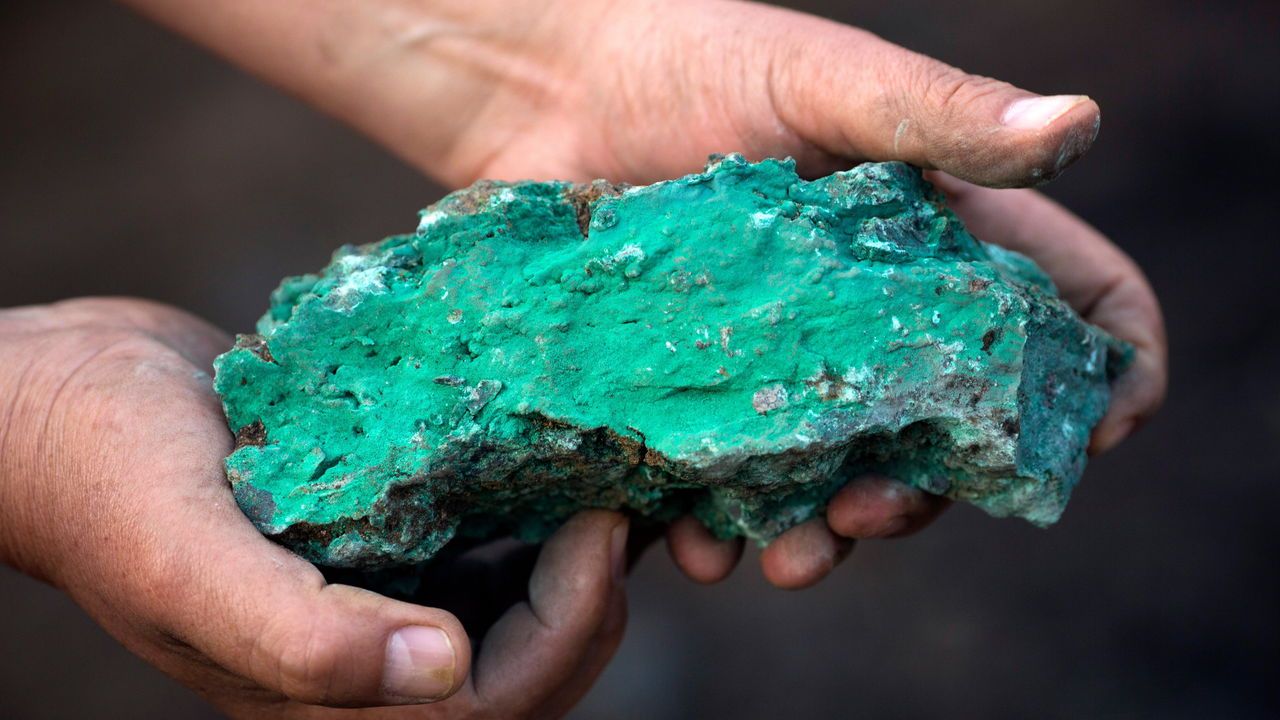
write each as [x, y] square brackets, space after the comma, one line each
[734, 343]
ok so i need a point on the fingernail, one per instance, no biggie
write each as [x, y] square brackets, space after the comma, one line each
[419, 664]
[618, 552]
[1034, 113]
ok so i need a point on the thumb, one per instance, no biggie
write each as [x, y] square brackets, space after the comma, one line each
[149, 540]
[260, 612]
[857, 96]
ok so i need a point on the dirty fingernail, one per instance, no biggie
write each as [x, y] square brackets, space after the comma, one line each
[1034, 113]
[419, 663]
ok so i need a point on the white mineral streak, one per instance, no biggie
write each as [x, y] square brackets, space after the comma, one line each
[630, 251]
[429, 218]
[361, 275]
[763, 219]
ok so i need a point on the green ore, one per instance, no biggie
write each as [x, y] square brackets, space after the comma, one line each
[736, 344]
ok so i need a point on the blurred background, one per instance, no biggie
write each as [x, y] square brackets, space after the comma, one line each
[135, 164]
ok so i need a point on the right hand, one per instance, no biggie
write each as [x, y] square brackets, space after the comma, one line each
[1092, 274]
[112, 489]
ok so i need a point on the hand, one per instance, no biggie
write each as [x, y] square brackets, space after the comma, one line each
[644, 90]
[659, 85]
[112, 489]
[1092, 274]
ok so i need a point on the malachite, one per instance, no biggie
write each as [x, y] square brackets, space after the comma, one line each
[735, 344]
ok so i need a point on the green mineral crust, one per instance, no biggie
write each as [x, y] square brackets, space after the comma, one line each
[735, 344]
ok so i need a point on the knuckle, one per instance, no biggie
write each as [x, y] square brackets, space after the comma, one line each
[936, 87]
[955, 91]
[305, 663]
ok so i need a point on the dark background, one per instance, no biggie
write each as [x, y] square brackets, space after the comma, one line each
[135, 164]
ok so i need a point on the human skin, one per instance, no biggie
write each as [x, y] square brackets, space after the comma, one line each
[111, 438]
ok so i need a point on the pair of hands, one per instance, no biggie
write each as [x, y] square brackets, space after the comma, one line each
[111, 440]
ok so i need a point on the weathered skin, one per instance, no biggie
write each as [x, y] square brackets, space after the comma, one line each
[735, 343]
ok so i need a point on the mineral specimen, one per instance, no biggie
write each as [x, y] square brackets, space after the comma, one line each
[735, 344]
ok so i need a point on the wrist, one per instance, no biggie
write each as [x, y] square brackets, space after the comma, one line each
[414, 75]
[444, 84]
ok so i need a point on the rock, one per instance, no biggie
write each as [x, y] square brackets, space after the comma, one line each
[735, 344]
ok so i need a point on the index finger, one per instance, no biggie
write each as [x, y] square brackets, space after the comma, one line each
[543, 654]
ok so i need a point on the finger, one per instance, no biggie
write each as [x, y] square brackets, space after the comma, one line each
[859, 97]
[878, 507]
[1093, 275]
[599, 652]
[548, 647]
[701, 555]
[803, 555]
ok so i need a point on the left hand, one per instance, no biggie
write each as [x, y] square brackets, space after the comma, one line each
[112, 489]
